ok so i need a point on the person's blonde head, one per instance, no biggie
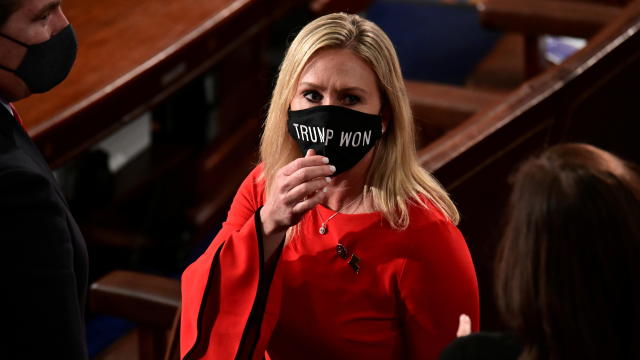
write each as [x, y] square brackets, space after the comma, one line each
[395, 176]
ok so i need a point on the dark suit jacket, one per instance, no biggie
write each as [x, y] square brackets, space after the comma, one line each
[43, 256]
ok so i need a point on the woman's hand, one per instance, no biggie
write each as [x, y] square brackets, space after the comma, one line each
[297, 188]
[464, 326]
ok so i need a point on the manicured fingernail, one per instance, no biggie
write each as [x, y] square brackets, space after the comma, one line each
[328, 179]
[324, 189]
[333, 168]
[325, 160]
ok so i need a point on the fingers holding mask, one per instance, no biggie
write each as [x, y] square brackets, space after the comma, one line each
[307, 190]
[304, 178]
[305, 169]
[297, 189]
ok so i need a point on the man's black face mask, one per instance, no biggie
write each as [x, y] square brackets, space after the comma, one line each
[343, 135]
[46, 64]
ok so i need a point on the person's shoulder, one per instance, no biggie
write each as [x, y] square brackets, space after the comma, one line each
[12, 157]
[7, 145]
[14, 178]
[257, 172]
[483, 346]
[12, 171]
[14, 162]
[253, 186]
[429, 228]
[25, 193]
[6, 124]
[256, 177]
[424, 213]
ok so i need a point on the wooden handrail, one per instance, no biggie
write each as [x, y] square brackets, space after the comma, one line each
[537, 17]
[477, 128]
[148, 300]
[442, 107]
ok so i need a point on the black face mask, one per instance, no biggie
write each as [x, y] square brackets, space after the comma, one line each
[46, 64]
[343, 135]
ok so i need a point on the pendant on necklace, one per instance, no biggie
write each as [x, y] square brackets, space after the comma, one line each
[341, 251]
[323, 229]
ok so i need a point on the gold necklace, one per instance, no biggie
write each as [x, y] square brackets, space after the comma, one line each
[323, 228]
[340, 249]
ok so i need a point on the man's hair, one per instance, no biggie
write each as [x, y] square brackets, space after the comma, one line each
[567, 269]
[7, 8]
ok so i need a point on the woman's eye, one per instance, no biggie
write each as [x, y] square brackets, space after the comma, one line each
[312, 96]
[351, 99]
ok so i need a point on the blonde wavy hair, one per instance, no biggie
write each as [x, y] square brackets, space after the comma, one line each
[395, 179]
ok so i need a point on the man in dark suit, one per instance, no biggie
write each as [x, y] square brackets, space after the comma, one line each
[42, 255]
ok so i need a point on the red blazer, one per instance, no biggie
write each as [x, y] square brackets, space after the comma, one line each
[307, 302]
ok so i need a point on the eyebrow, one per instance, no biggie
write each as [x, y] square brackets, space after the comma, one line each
[346, 89]
[47, 9]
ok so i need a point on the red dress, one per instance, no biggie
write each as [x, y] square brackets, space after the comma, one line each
[403, 303]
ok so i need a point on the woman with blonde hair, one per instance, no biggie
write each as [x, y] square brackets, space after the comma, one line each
[338, 245]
